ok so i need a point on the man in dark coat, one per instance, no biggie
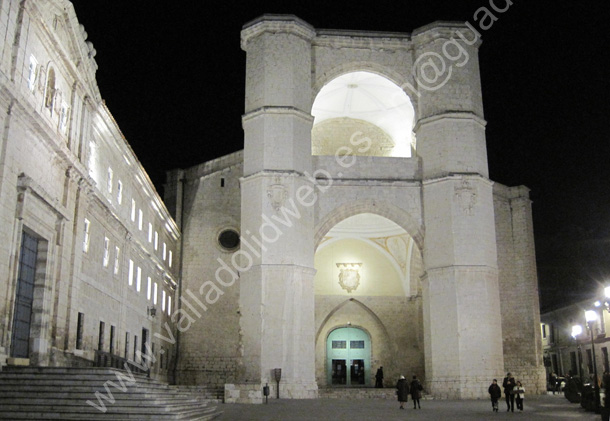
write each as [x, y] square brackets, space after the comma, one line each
[416, 389]
[402, 391]
[509, 384]
[379, 377]
[495, 393]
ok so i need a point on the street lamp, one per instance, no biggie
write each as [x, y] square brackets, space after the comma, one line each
[591, 317]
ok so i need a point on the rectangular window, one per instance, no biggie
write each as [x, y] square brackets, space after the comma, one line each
[163, 300]
[573, 364]
[135, 347]
[117, 260]
[127, 345]
[106, 252]
[140, 219]
[149, 232]
[149, 289]
[119, 192]
[130, 273]
[100, 342]
[109, 180]
[112, 333]
[170, 258]
[164, 251]
[169, 305]
[32, 73]
[133, 210]
[162, 352]
[356, 344]
[138, 279]
[80, 326]
[155, 294]
[86, 236]
[156, 240]
[339, 344]
[543, 331]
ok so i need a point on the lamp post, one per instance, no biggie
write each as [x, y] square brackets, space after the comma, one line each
[591, 317]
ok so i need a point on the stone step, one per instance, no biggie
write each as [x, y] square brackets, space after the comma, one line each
[359, 393]
[50, 393]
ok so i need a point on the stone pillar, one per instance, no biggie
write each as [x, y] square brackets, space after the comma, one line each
[462, 323]
[277, 249]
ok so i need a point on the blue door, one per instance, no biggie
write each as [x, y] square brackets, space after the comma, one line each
[348, 353]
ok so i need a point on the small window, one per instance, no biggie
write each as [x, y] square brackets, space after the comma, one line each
[140, 219]
[109, 180]
[86, 236]
[112, 333]
[229, 239]
[63, 117]
[119, 192]
[138, 278]
[156, 287]
[156, 240]
[100, 342]
[80, 326]
[164, 251]
[170, 259]
[169, 304]
[149, 289]
[339, 344]
[133, 210]
[130, 273]
[163, 300]
[150, 232]
[117, 260]
[356, 344]
[33, 74]
[106, 251]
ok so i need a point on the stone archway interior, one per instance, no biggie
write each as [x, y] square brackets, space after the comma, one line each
[369, 106]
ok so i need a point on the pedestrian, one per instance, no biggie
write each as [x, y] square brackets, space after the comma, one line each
[416, 389]
[509, 384]
[519, 392]
[402, 391]
[495, 393]
[552, 382]
[379, 378]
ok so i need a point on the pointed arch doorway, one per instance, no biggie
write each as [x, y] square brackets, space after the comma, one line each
[348, 351]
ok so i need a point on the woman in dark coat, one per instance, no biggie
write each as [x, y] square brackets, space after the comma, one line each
[416, 389]
[402, 391]
[495, 393]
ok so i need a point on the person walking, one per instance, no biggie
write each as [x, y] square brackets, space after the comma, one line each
[416, 389]
[519, 392]
[379, 378]
[552, 382]
[509, 384]
[495, 393]
[402, 391]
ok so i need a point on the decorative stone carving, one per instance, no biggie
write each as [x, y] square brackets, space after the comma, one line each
[277, 194]
[349, 276]
[466, 196]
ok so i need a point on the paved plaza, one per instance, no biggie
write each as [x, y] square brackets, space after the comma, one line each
[550, 408]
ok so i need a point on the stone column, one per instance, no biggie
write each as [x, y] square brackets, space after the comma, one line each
[462, 323]
[277, 249]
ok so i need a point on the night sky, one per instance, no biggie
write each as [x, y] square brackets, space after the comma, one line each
[172, 74]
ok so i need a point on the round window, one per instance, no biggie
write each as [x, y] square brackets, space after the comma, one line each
[229, 239]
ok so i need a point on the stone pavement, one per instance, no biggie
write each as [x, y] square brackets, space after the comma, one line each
[548, 407]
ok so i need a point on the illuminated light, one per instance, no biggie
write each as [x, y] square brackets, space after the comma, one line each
[607, 292]
[576, 330]
[591, 316]
[597, 303]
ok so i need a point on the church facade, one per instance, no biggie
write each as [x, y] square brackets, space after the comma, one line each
[357, 229]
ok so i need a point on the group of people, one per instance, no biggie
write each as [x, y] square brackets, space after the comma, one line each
[513, 391]
[404, 389]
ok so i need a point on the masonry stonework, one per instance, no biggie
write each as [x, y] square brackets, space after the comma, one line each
[270, 257]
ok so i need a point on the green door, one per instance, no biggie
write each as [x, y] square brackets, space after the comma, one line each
[348, 351]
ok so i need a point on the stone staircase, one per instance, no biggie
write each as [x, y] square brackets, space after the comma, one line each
[58, 393]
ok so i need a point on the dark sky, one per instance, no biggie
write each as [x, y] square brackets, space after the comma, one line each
[172, 74]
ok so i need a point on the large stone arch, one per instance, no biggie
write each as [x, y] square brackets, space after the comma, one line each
[381, 208]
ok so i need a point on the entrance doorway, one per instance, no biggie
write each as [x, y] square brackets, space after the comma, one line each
[24, 300]
[348, 353]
